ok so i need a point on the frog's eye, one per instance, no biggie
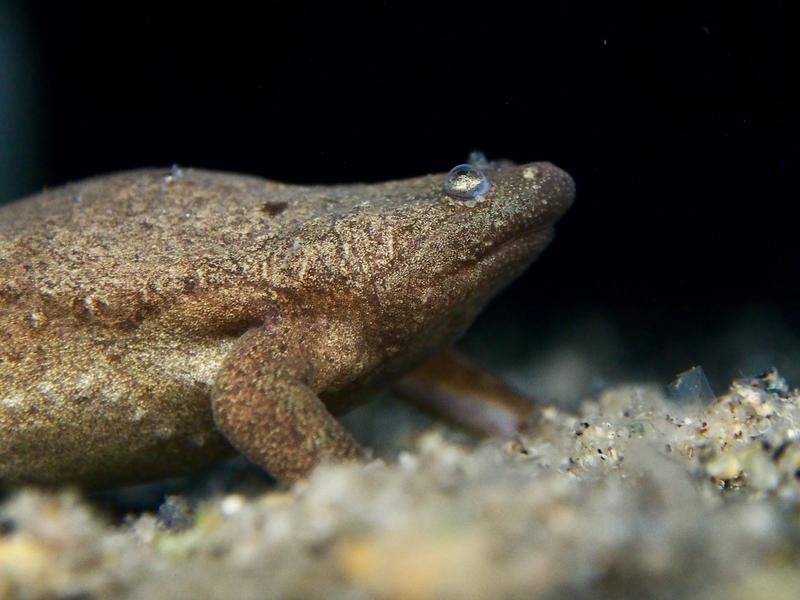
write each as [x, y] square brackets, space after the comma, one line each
[466, 182]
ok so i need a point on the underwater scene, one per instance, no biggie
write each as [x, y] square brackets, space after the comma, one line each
[399, 302]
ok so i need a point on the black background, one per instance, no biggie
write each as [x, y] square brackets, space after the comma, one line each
[678, 121]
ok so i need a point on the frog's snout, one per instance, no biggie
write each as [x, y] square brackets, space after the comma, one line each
[549, 189]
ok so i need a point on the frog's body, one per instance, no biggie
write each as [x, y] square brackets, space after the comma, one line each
[151, 317]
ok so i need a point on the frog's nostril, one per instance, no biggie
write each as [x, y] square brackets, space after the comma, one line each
[466, 182]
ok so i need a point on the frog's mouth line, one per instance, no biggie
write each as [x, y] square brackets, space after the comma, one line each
[528, 241]
[507, 258]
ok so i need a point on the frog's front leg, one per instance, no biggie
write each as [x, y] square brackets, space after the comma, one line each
[265, 398]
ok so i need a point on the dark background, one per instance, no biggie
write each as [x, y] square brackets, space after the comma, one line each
[678, 121]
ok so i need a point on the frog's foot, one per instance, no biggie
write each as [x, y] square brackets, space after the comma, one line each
[264, 402]
[452, 387]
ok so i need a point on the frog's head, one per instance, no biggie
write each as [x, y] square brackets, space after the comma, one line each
[448, 243]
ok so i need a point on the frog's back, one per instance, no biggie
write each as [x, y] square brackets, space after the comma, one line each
[130, 240]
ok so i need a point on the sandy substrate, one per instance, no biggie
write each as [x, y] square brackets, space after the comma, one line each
[631, 496]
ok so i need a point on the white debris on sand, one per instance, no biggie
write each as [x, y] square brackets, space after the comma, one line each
[633, 496]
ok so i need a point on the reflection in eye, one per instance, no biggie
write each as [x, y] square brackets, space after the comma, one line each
[466, 182]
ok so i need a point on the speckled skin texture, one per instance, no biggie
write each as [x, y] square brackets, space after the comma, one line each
[152, 321]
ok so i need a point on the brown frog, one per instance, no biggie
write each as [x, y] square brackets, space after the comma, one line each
[151, 319]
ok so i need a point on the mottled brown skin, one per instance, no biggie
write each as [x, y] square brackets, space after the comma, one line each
[151, 319]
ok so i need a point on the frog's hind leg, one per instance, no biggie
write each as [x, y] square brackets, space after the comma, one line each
[264, 402]
[452, 387]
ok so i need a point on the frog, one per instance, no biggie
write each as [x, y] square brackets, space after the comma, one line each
[156, 321]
